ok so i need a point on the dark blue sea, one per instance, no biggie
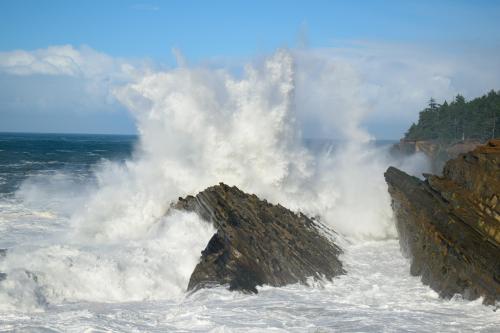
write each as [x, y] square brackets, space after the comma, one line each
[27, 154]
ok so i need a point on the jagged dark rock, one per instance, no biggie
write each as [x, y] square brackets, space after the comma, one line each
[450, 226]
[258, 243]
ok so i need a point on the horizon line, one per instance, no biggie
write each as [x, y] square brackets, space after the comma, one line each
[137, 135]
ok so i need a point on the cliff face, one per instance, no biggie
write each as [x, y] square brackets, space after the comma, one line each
[450, 226]
[257, 243]
[437, 152]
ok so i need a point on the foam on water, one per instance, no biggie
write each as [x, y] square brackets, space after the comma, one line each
[64, 270]
[370, 298]
[106, 252]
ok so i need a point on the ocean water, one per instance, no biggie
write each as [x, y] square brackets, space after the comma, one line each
[93, 246]
[66, 276]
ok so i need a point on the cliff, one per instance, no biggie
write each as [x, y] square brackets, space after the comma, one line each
[450, 226]
[444, 131]
[476, 119]
[258, 243]
[438, 152]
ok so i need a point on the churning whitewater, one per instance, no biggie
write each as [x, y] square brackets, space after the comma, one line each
[90, 244]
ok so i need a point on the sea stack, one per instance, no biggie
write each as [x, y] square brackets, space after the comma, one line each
[258, 243]
[450, 225]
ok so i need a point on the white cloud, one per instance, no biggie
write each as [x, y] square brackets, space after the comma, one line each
[389, 83]
[63, 88]
[379, 85]
[83, 63]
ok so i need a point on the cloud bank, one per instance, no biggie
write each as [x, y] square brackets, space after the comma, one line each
[381, 86]
[63, 89]
[384, 86]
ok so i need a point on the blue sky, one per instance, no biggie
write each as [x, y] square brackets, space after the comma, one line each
[226, 28]
[207, 30]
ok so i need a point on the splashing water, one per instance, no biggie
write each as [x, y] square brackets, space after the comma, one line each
[199, 127]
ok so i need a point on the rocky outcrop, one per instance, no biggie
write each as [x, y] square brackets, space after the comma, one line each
[437, 152]
[258, 243]
[450, 226]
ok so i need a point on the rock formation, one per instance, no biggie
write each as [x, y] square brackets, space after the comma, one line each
[450, 226]
[437, 152]
[258, 243]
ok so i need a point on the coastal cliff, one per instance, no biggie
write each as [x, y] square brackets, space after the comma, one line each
[258, 243]
[437, 152]
[450, 225]
[443, 131]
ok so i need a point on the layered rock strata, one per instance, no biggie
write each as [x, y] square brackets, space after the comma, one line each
[450, 225]
[258, 243]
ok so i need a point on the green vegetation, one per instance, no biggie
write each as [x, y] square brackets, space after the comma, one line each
[478, 119]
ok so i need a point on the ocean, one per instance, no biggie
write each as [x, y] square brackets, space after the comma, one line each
[89, 250]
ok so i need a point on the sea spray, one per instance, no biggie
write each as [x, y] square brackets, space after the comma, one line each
[202, 126]
[198, 127]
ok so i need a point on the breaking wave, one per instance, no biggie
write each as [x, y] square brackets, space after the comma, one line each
[198, 127]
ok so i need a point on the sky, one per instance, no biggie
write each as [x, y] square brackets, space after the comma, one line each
[60, 60]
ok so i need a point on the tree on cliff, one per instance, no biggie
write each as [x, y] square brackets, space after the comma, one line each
[477, 119]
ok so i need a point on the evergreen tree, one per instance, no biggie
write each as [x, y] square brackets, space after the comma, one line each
[477, 119]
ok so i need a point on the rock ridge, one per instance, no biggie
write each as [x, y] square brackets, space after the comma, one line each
[258, 243]
[450, 225]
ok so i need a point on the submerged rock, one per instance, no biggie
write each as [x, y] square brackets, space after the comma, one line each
[258, 243]
[450, 226]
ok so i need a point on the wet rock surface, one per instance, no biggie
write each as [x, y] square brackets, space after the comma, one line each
[258, 243]
[450, 226]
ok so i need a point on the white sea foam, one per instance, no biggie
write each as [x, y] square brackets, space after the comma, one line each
[198, 127]
[370, 298]
[156, 267]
